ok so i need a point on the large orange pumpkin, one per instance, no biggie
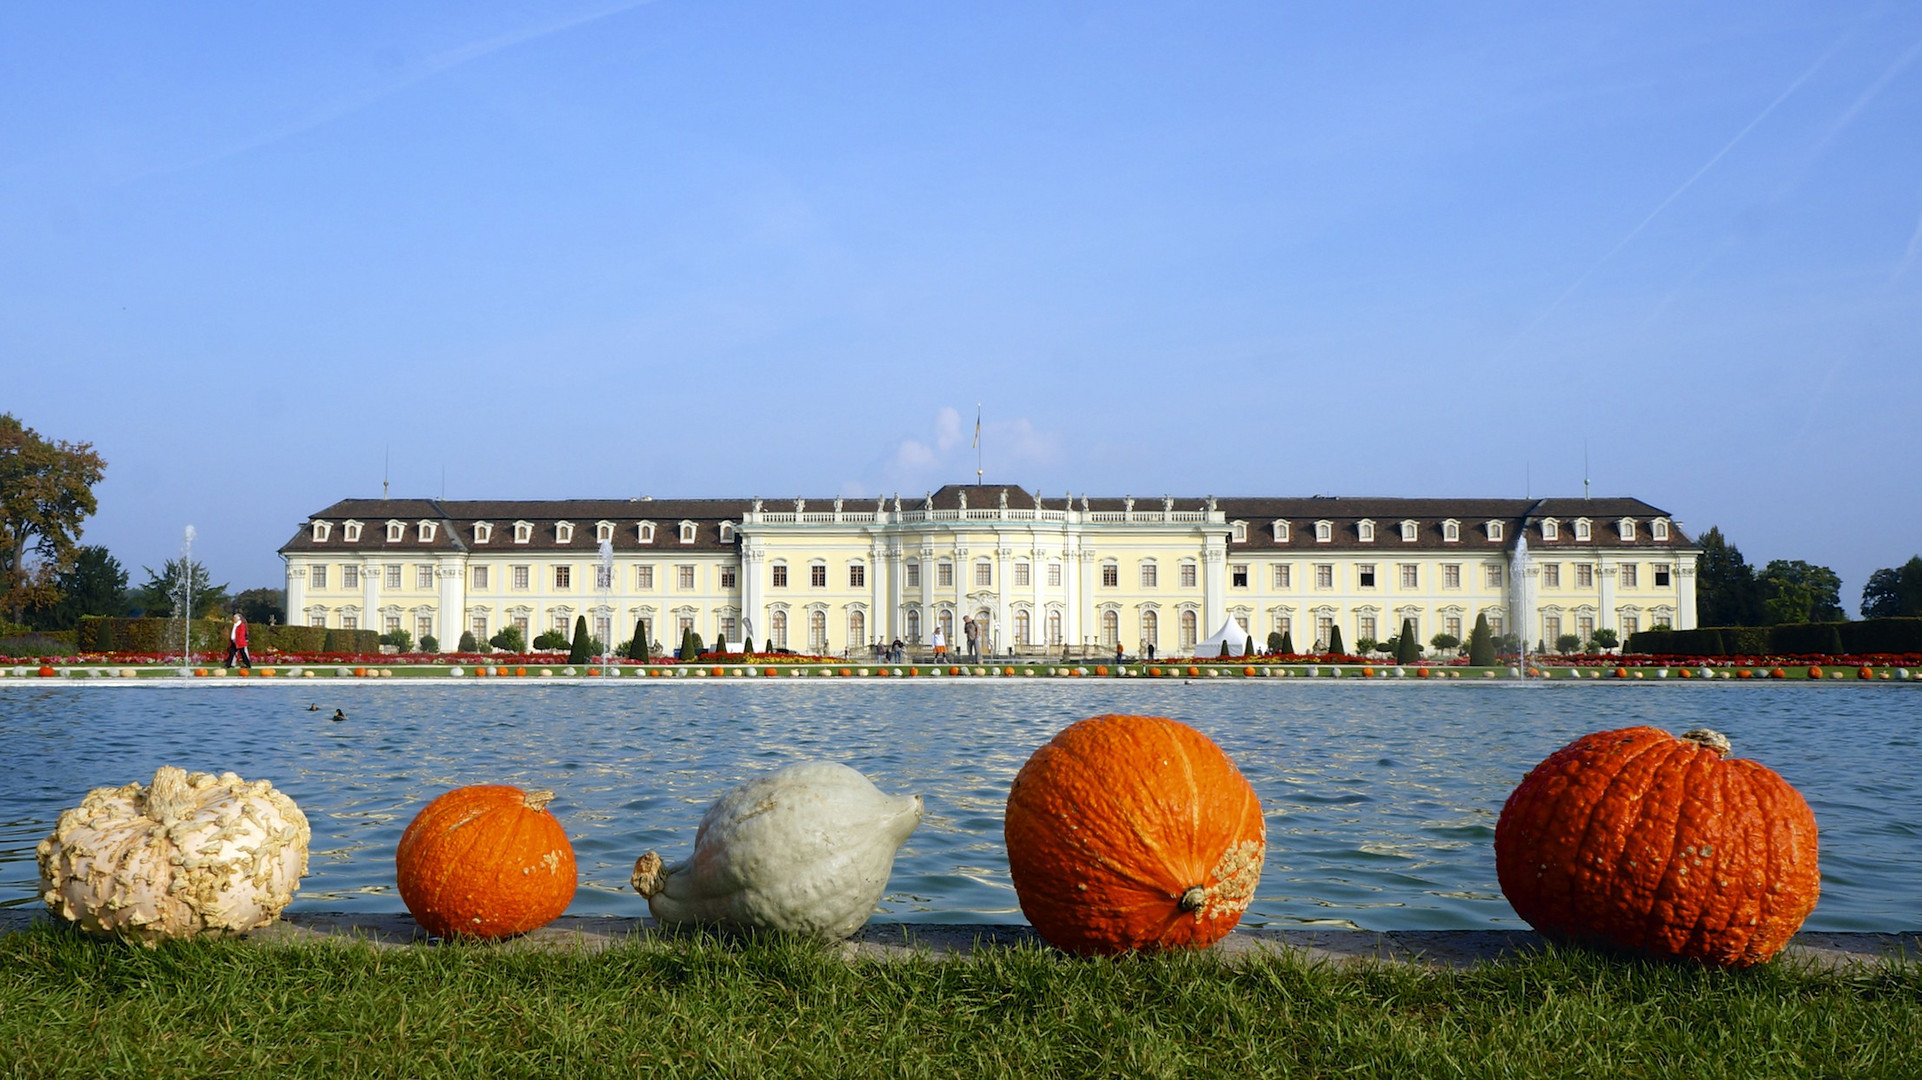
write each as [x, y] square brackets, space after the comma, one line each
[485, 861]
[1660, 845]
[1133, 832]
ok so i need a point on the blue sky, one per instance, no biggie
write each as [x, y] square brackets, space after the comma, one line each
[261, 254]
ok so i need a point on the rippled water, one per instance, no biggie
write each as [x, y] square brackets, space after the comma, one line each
[1381, 796]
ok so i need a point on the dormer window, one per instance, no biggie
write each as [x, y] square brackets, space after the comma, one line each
[1627, 528]
[645, 532]
[483, 532]
[1281, 532]
[1324, 531]
[727, 532]
[1551, 529]
[396, 531]
[688, 532]
[1240, 533]
[1658, 528]
[425, 531]
[1581, 530]
[1451, 531]
[1366, 530]
[603, 532]
[523, 531]
[321, 529]
[1409, 532]
[563, 532]
[1494, 530]
[350, 532]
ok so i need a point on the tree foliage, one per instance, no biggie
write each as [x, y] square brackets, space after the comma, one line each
[581, 647]
[46, 491]
[160, 595]
[1795, 591]
[1407, 646]
[95, 584]
[1727, 592]
[1894, 591]
[1481, 644]
[266, 606]
[509, 639]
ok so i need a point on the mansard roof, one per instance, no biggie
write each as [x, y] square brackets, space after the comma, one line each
[458, 518]
[1345, 515]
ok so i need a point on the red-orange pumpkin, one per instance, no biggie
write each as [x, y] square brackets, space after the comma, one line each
[1659, 845]
[486, 861]
[1133, 832]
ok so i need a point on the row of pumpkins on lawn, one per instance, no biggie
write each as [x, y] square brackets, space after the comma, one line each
[1124, 833]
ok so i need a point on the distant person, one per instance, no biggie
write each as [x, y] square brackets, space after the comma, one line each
[940, 643]
[1148, 651]
[899, 650]
[237, 643]
[1118, 654]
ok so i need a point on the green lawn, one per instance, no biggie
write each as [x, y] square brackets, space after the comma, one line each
[74, 1007]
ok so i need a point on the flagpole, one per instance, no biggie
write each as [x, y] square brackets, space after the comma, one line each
[977, 444]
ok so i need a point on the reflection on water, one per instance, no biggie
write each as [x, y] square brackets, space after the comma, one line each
[1381, 797]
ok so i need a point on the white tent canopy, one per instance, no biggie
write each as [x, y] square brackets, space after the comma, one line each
[1230, 632]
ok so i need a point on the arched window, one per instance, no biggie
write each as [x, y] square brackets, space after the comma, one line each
[777, 629]
[914, 626]
[946, 621]
[818, 632]
[1054, 628]
[857, 629]
[1188, 635]
[1110, 628]
[1150, 628]
[1023, 628]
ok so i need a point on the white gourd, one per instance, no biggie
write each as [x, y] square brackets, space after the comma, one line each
[188, 855]
[804, 850]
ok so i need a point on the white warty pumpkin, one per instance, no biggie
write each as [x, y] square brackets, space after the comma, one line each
[188, 855]
[805, 850]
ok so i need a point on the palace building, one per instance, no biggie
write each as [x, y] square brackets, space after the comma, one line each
[832, 576]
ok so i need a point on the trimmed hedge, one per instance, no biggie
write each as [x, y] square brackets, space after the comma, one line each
[1891, 635]
[150, 635]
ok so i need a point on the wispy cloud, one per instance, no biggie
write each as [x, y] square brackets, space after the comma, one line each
[946, 455]
[413, 74]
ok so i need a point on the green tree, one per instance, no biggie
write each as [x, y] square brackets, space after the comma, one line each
[1248, 647]
[1603, 639]
[399, 639]
[1445, 642]
[95, 584]
[161, 594]
[1894, 591]
[1224, 649]
[1274, 642]
[46, 491]
[690, 644]
[429, 643]
[579, 651]
[1287, 643]
[1334, 640]
[467, 642]
[509, 639]
[264, 606]
[1727, 592]
[1481, 644]
[1568, 643]
[1407, 648]
[1795, 591]
[637, 649]
[550, 640]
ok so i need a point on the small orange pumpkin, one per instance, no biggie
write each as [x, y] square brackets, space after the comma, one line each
[1133, 833]
[1660, 845]
[1815, 672]
[485, 861]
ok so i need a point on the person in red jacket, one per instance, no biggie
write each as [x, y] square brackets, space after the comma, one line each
[237, 643]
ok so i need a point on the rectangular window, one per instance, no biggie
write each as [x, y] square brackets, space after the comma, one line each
[563, 577]
[1492, 576]
[983, 574]
[1366, 627]
[1631, 624]
[317, 620]
[423, 577]
[1187, 575]
[818, 576]
[423, 626]
[1021, 572]
[319, 576]
[1629, 576]
[1149, 574]
[1365, 575]
[1451, 576]
[727, 577]
[479, 628]
[779, 579]
[1585, 626]
[1324, 575]
[684, 576]
[603, 577]
[392, 579]
[1661, 577]
[521, 577]
[1110, 575]
[1410, 576]
[349, 622]
[644, 577]
[1452, 626]
[944, 575]
[914, 575]
[1584, 575]
[1551, 575]
[1551, 629]
[857, 576]
[1054, 575]
[1238, 575]
[480, 577]
[1283, 576]
[389, 623]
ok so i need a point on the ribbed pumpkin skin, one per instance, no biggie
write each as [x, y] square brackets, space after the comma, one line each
[1659, 845]
[1133, 833]
[485, 861]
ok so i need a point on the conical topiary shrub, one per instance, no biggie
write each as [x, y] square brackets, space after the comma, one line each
[1287, 646]
[690, 645]
[1407, 649]
[579, 651]
[1225, 654]
[1248, 647]
[1481, 644]
[1334, 641]
[637, 649]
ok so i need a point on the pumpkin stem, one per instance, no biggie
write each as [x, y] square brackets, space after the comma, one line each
[1713, 740]
[1194, 898]
[650, 875]
[168, 797]
[535, 800]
